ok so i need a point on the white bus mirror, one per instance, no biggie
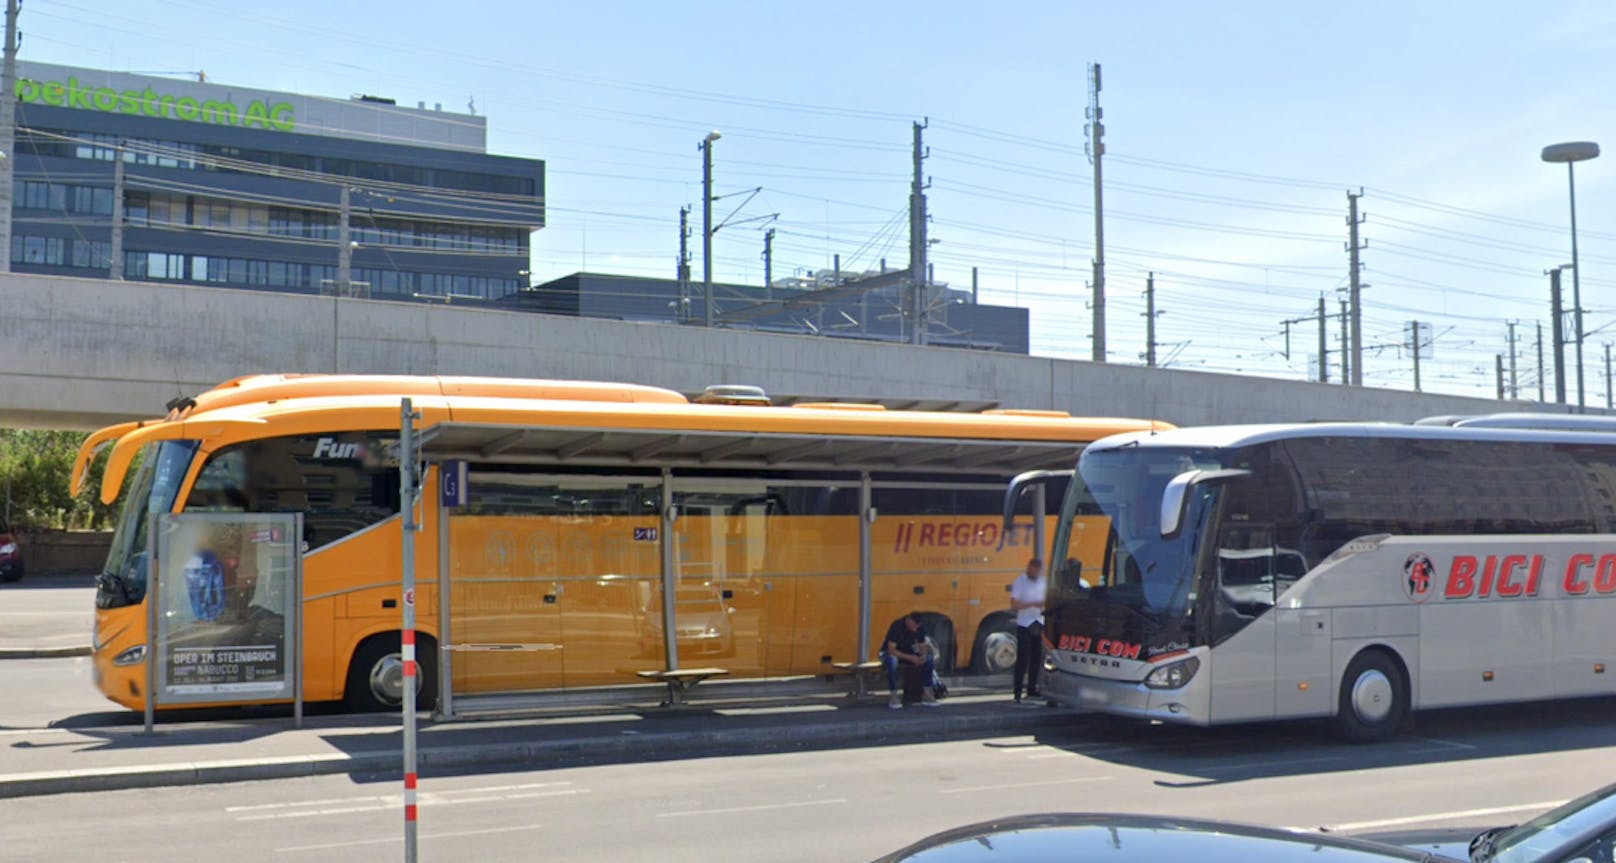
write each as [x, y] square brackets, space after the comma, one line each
[1176, 496]
[1172, 502]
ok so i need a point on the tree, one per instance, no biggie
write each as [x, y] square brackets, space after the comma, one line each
[35, 467]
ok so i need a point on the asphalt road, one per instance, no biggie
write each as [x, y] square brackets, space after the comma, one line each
[1473, 768]
[47, 611]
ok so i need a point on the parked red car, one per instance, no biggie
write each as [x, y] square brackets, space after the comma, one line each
[10, 555]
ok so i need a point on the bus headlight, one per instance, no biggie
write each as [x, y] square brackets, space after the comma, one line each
[133, 656]
[1049, 662]
[1175, 675]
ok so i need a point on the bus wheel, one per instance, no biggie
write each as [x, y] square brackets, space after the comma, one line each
[995, 651]
[1374, 698]
[376, 675]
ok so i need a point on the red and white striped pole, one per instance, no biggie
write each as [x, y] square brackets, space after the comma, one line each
[409, 498]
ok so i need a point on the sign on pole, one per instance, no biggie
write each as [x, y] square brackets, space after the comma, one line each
[452, 484]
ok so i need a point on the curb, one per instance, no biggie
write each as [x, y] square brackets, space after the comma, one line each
[518, 753]
[44, 652]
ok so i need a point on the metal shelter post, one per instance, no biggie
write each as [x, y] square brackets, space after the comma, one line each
[670, 574]
[296, 640]
[1039, 504]
[410, 493]
[152, 527]
[866, 587]
[445, 655]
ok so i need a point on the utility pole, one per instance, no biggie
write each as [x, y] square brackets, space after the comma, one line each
[1356, 289]
[973, 286]
[344, 241]
[917, 241]
[1498, 367]
[1608, 404]
[115, 266]
[1324, 341]
[1150, 322]
[1414, 339]
[1557, 327]
[768, 264]
[8, 130]
[682, 271]
[1096, 149]
[1539, 344]
[1347, 365]
[707, 225]
[1514, 381]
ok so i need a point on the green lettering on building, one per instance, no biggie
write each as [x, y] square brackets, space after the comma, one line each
[257, 114]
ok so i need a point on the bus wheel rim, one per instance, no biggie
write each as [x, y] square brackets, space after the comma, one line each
[1000, 651]
[387, 679]
[1372, 696]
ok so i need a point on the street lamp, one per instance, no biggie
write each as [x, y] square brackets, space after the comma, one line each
[706, 148]
[1571, 153]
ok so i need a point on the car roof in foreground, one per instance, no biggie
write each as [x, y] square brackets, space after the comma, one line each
[1069, 837]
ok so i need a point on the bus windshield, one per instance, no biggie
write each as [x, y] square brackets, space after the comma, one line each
[1143, 570]
[156, 483]
[1117, 578]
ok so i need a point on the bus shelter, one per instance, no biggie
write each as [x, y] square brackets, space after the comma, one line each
[587, 557]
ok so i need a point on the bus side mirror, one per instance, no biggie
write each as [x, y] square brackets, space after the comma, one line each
[1172, 502]
[1019, 486]
[1175, 498]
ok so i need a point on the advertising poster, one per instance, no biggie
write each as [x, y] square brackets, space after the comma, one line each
[227, 594]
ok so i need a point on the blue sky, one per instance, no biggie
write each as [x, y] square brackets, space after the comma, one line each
[1233, 130]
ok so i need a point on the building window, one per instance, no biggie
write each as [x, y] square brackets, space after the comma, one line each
[92, 254]
[37, 250]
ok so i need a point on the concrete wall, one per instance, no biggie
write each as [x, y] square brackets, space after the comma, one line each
[81, 353]
[62, 551]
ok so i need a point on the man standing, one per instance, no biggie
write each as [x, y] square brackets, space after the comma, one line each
[906, 644]
[1027, 599]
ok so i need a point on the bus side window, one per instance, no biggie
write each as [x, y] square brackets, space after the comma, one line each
[340, 482]
[221, 486]
[1246, 576]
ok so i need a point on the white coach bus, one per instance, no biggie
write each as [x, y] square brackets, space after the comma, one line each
[1354, 571]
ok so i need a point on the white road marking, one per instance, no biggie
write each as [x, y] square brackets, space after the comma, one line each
[1442, 816]
[379, 803]
[758, 808]
[424, 837]
[1023, 784]
[79, 612]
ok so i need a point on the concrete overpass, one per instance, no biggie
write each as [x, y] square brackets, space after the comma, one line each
[82, 353]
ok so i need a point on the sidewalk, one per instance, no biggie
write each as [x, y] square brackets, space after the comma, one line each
[800, 715]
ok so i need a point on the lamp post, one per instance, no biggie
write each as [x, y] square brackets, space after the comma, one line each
[1571, 153]
[706, 147]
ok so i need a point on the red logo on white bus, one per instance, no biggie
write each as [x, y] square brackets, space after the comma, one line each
[1419, 574]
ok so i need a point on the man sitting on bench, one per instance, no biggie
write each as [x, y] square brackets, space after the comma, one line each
[905, 645]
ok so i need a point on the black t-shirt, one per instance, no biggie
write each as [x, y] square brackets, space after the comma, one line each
[907, 641]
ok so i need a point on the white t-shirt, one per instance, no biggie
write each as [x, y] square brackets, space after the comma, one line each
[1025, 589]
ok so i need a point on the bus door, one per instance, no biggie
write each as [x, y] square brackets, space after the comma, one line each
[1242, 583]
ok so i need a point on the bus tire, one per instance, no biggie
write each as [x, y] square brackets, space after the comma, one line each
[995, 648]
[1374, 698]
[941, 630]
[376, 674]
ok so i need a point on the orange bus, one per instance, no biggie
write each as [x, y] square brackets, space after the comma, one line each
[583, 500]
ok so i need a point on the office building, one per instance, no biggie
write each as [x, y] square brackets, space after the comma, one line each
[244, 188]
